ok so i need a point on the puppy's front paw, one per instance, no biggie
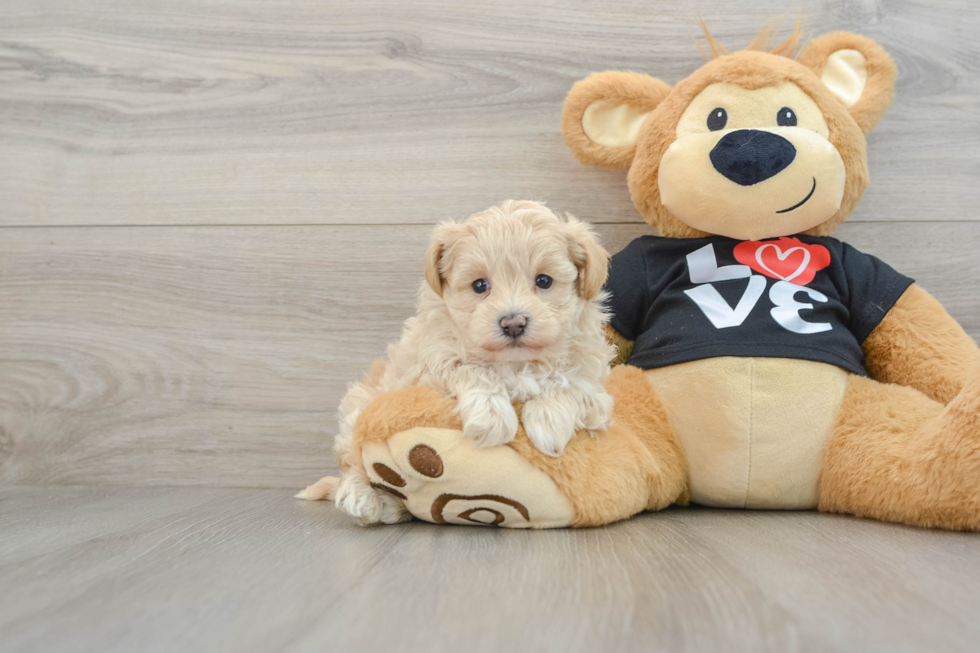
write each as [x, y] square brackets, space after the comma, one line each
[599, 415]
[357, 498]
[488, 418]
[549, 425]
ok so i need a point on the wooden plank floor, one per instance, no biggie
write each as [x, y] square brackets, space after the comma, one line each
[204, 569]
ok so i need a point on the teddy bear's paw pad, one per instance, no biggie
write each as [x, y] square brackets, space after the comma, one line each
[424, 460]
[483, 509]
[384, 473]
[443, 477]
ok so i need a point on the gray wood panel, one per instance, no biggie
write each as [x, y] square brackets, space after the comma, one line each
[217, 355]
[254, 570]
[382, 111]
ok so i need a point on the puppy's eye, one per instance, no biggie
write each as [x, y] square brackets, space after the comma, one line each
[717, 119]
[480, 286]
[786, 117]
[543, 281]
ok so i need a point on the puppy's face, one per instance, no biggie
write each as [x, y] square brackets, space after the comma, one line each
[515, 280]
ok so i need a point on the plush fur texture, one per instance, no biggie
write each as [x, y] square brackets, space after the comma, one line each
[456, 345]
[879, 90]
[631, 89]
[897, 455]
[919, 345]
[636, 465]
[623, 346]
[403, 410]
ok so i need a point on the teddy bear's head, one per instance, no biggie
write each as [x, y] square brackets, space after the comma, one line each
[753, 145]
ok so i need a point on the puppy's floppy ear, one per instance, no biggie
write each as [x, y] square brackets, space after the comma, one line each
[443, 238]
[857, 71]
[589, 257]
[603, 114]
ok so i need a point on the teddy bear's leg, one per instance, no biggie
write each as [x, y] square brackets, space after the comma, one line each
[636, 465]
[442, 476]
[412, 446]
[898, 455]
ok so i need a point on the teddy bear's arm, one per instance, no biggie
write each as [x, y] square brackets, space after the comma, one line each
[918, 344]
[623, 346]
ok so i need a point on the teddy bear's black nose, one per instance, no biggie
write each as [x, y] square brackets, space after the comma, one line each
[748, 156]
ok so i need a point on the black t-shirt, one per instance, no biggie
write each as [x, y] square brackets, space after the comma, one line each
[807, 297]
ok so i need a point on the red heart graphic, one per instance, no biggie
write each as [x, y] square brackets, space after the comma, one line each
[788, 259]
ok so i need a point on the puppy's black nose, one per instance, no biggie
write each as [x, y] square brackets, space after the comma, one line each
[748, 156]
[513, 325]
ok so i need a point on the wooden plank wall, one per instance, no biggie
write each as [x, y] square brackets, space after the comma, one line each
[212, 214]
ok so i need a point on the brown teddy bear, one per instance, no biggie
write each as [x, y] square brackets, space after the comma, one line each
[770, 365]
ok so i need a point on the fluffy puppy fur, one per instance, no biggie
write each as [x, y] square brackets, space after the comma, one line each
[511, 310]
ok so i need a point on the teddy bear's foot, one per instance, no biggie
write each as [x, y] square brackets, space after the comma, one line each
[443, 477]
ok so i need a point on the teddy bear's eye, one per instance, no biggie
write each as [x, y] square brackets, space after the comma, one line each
[480, 286]
[786, 117]
[717, 119]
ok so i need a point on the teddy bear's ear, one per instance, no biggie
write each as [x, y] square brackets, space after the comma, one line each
[603, 114]
[857, 71]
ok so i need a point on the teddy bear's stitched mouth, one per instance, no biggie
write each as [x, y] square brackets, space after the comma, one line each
[804, 201]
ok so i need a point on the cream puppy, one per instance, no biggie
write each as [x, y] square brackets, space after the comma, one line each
[510, 311]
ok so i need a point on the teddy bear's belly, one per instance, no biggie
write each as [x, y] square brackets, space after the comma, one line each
[753, 430]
